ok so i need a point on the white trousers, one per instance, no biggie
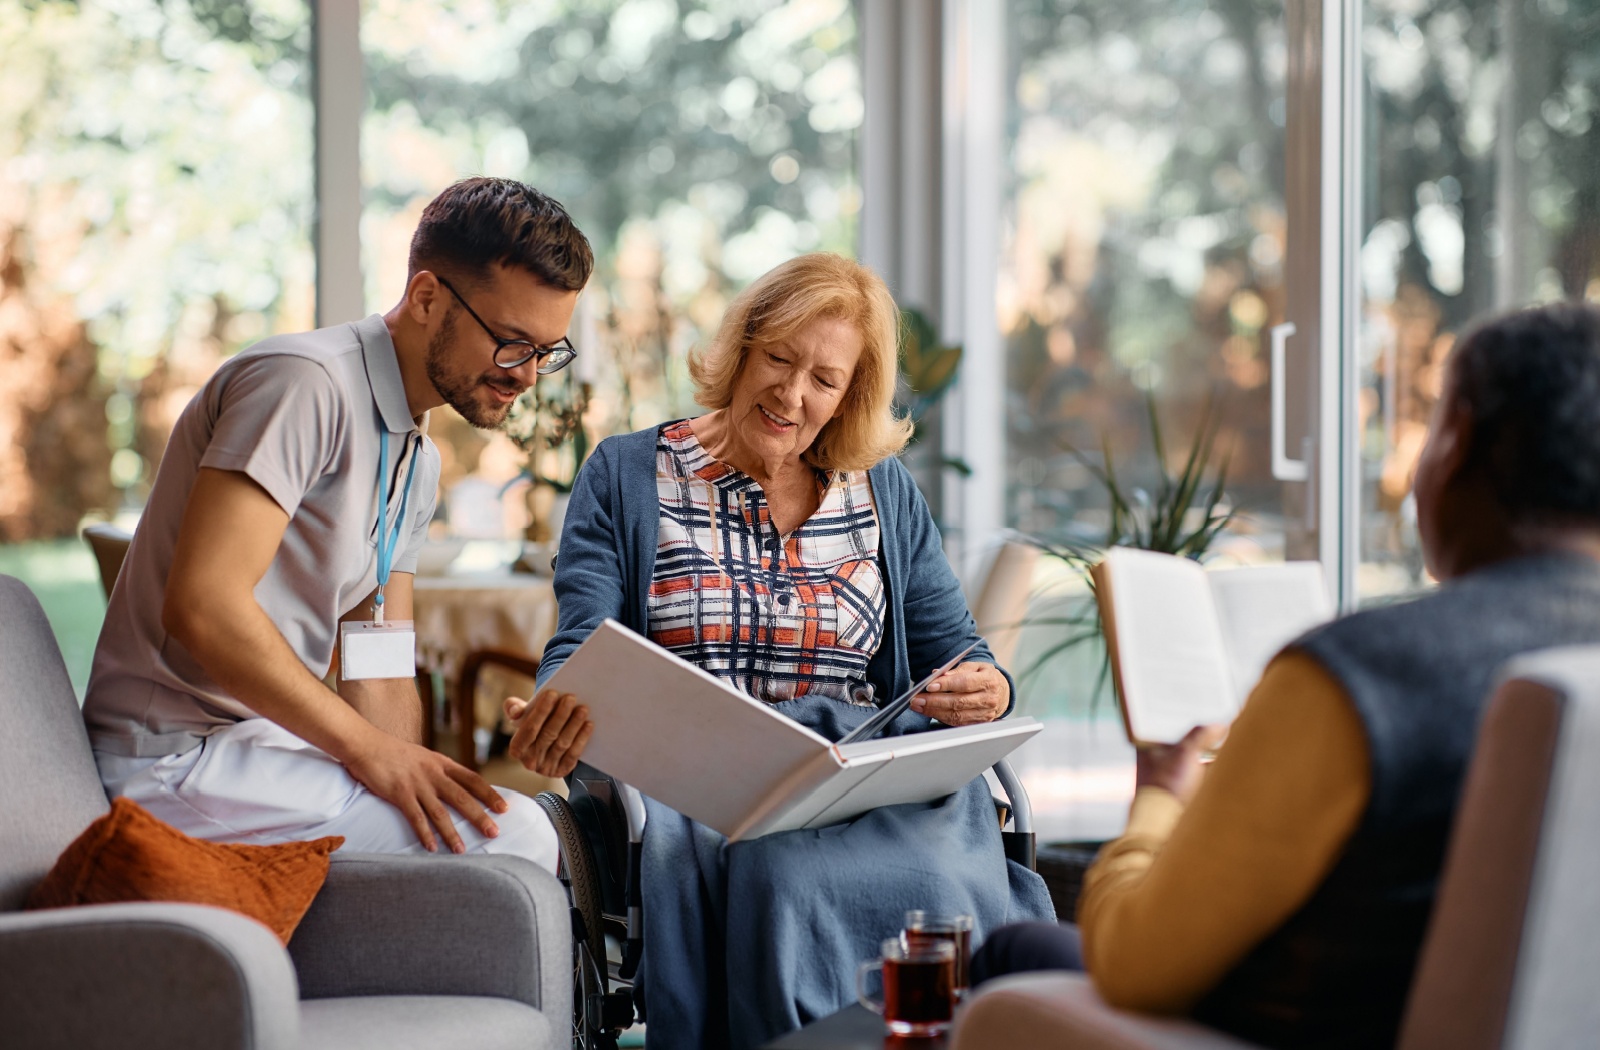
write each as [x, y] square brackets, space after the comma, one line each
[257, 783]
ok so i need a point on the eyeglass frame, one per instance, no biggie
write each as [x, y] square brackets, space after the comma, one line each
[563, 344]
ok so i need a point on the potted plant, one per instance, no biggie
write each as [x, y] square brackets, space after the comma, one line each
[927, 369]
[1184, 516]
[547, 424]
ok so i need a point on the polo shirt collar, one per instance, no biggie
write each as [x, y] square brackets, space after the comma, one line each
[383, 374]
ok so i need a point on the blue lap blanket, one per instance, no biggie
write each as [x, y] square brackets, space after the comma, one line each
[748, 940]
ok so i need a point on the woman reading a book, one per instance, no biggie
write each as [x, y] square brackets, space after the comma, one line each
[777, 542]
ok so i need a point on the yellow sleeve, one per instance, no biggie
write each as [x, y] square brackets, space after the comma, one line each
[1174, 904]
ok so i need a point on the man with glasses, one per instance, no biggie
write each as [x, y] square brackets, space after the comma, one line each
[280, 540]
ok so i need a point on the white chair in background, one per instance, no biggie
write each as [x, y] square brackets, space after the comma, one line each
[1001, 603]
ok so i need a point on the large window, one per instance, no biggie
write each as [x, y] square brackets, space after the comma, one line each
[1156, 229]
[155, 202]
[1144, 239]
[157, 194]
[695, 148]
[1481, 191]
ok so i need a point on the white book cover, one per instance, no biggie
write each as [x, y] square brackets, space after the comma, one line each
[691, 741]
[1188, 644]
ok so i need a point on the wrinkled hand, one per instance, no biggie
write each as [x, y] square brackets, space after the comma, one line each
[421, 784]
[1179, 767]
[965, 695]
[551, 732]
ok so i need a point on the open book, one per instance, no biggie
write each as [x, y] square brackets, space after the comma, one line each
[691, 741]
[1187, 644]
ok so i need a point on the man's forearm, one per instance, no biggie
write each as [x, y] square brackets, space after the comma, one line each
[391, 704]
[243, 651]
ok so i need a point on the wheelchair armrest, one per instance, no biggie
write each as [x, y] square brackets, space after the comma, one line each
[1011, 784]
[424, 925]
[169, 975]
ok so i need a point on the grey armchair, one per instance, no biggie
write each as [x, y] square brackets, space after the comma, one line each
[1514, 943]
[396, 952]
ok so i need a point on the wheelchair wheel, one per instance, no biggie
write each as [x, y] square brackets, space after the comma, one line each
[582, 880]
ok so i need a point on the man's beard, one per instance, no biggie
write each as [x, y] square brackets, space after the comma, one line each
[458, 391]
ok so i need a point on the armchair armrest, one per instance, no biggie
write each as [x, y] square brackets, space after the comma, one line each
[168, 975]
[423, 925]
[1063, 1009]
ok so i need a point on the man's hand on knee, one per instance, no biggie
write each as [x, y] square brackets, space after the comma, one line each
[425, 785]
[551, 732]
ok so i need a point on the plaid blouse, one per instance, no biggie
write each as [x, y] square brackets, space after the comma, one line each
[779, 617]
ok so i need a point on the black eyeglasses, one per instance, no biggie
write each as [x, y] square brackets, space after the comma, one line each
[513, 353]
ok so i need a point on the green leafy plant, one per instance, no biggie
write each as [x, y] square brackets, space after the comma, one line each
[928, 368]
[1184, 516]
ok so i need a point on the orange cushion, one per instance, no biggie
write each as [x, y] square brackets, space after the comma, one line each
[128, 855]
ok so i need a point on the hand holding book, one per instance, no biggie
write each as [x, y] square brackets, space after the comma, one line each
[966, 695]
[1178, 768]
[550, 731]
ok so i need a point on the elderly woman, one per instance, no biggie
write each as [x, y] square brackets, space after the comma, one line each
[778, 543]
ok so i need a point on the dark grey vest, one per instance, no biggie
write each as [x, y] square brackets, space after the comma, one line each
[1419, 673]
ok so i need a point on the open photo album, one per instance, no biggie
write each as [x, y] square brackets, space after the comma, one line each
[691, 741]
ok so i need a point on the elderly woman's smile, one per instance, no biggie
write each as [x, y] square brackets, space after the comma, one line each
[787, 392]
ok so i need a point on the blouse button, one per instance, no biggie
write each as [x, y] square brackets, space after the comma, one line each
[783, 599]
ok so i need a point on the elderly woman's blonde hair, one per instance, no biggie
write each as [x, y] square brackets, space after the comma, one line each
[785, 300]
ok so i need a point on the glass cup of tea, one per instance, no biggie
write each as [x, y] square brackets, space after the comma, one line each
[918, 996]
[924, 927]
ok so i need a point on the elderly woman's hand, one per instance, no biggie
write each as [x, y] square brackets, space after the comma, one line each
[965, 695]
[551, 732]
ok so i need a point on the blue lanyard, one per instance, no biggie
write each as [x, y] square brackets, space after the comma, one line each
[387, 540]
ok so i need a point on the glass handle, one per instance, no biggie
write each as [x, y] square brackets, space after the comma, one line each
[1283, 468]
[861, 985]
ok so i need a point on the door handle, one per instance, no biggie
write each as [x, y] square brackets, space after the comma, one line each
[1283, 468]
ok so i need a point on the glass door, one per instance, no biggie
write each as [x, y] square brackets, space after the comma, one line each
[1159, 247]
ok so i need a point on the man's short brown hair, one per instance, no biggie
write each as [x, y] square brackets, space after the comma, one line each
[480, 222]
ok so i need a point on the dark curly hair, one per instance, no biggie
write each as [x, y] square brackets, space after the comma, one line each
[479, 222]
[1531, 382]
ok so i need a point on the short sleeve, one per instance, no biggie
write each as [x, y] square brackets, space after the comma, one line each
[424, 501]
[279, 420]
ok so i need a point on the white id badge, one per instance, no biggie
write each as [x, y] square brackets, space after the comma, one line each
[377, 650]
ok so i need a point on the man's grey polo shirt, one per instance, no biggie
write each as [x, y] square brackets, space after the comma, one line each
[301, 416]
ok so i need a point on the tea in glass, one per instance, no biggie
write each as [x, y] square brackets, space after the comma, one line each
[918, 986]
[923, 927]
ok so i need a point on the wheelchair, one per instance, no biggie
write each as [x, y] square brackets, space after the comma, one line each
[600, 825]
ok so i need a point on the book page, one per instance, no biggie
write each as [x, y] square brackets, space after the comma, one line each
[923, 766]
[685, 737]
[1262, 608]
[1162, 629]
